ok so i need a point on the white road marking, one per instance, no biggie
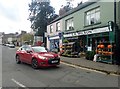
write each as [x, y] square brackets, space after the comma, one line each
[18, 83]
[75, 66]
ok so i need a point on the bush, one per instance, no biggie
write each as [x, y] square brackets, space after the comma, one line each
[90, 55]
[67, 52]
[65, 41]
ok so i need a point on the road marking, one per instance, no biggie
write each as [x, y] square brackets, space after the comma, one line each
[75, 66]
[18, 83]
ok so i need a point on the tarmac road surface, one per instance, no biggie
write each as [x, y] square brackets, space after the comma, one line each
[22, 75]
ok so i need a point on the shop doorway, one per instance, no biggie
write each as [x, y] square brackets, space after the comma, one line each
[54, 45]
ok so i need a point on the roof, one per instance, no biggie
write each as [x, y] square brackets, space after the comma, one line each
[74, 10]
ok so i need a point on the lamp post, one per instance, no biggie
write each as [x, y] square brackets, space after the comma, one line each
[117, 35]
[111, 36]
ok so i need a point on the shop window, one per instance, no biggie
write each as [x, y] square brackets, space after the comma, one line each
[51, 29]
[69, 24]
[92, 16]
[58, 26]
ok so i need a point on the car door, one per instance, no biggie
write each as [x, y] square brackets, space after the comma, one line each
[22, 54]
[28, 55]
[19, 52]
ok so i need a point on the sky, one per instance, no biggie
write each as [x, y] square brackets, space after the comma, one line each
[14, 14]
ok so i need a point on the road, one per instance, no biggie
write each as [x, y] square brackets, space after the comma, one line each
[22, 75]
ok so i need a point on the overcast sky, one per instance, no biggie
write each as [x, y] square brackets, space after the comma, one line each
[14, 14]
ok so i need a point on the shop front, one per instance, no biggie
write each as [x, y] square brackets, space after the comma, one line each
[54, 43]
[102, 42]
[90, 40]
[74, 44]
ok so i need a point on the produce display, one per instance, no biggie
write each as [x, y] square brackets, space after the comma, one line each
[105, 52]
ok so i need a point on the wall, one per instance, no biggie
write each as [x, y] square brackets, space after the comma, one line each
[54, 34]
[107, 14]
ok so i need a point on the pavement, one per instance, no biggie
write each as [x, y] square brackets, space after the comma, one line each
[88, 64]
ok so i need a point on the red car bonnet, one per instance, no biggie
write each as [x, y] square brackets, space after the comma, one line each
[48, 54]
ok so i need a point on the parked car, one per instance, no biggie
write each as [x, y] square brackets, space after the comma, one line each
[3, 44]
[7, 45]
[11, 45]
[37, 56]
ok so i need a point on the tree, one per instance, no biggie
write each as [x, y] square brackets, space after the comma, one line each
[80, 3]
[41, 14]
[65, 8]
[27, 38]
[68, 6]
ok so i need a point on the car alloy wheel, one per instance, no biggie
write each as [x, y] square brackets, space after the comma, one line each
[18, 59]
[34, 64]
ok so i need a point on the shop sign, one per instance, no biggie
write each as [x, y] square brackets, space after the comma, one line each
[89, 48]
[39, 1]
[75, 34]
[60, 35]
[85, 32]
[88, 32]
[68, 35]
[45, 34]
[100, 30]
[55, 37]
[110, 25]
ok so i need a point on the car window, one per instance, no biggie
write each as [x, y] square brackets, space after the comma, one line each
[26, 48]
[39, 49]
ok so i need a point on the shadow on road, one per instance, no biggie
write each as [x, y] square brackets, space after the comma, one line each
[42, 68]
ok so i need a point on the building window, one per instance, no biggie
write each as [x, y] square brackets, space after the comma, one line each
[51, 29]
[58, 26]
[92, 16]
[69, 24]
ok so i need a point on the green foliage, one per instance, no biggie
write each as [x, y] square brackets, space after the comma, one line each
[28, 38]
[43, 15]
[68, 6]
[67, 53]
[90, 55]
[65, 41]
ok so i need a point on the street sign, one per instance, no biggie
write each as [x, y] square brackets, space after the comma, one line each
[110, 25]
[45, 34]
[39, 1]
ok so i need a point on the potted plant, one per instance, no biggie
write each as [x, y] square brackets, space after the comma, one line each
[90, 55]
[65, 41]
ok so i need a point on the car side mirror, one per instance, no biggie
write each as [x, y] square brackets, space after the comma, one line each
[29, 51]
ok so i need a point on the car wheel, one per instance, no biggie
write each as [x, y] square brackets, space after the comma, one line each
[34, 63]
[18, 59]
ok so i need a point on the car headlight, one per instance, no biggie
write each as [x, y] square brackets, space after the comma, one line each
[41, 57]
[58, 56]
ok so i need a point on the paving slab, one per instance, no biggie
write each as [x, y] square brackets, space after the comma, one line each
[82, 62]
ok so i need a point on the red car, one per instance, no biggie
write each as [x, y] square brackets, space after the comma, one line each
[37, 56]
